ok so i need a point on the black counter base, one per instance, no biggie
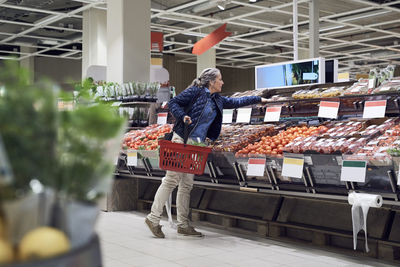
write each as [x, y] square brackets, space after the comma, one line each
[320, 222]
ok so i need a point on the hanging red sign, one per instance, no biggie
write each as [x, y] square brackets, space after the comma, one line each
[157, 41]
[210, 40]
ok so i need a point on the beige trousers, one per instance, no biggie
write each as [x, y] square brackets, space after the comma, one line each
[184, 181]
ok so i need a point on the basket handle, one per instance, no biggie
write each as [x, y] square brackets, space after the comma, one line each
[186, 132]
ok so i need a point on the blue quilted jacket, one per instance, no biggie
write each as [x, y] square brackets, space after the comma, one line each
[181, 102]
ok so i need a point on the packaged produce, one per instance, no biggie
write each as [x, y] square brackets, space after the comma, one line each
[388, 86]
[359, 88]
[235, 137]
[332, 92]
[275, 145]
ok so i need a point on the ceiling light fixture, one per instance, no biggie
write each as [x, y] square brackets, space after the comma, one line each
[252, 1]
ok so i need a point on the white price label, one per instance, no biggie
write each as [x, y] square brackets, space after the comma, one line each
[132, 158]
[243, 115]
[353, 171]
[371, 83]
[256, 167]
[328, 109]
[227, 115]
[293, 167]
[374, 109]
[272, 113]
[162, 118]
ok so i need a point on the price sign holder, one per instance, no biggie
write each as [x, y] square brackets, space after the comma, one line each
[162, 118]
[256, 167]
[243, 115]
[293, 166]
[132, 158]
[374, 109]
[227, 115]
[272, 113]
[353, 171]
[328, 109]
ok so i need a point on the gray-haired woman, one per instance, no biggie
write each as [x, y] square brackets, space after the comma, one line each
[201, 106]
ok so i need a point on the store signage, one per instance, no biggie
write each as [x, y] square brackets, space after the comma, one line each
[374, 109]
[243, 115]
[293, 167]
[157, 41]
[162, 118]
[227, 115]
[256, 167]
[210, 40]
[273, 113]
[343, 77]
[131, 158]
[328, 109]
[353, 171]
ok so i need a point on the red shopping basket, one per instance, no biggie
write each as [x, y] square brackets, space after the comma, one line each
[183, 158]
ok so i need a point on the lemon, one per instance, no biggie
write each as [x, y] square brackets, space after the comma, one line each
[6, 252]
[43, 242]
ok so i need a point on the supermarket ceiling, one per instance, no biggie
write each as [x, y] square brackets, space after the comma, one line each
[360, 33]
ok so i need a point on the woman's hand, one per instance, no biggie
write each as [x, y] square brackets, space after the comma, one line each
[264, 100]
[187, 119]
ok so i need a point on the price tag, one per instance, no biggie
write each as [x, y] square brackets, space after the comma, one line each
[116, 104]
[244, 115]
[328, 109]
[162, 118]
[227, 115]
[256, 167]
[164, 104]
[371, 83]
[353, 171]
[374, 109]
[273, 113]
[132, 158]
[292, 167]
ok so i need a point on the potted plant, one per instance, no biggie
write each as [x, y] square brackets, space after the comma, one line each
[61, 161]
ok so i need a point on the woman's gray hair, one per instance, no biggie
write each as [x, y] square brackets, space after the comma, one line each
[207, 75]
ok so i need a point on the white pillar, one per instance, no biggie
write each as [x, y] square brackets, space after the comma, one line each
[206, 60]
[128, 40]
[94, 39]
[295, 31]
[314, 28]
[29, 62]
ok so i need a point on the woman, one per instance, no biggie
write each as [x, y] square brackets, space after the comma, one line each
[201, 106]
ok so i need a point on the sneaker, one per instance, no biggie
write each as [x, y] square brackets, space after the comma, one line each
[189, 231]
[156, 230]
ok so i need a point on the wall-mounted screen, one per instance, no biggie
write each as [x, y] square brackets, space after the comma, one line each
[292, 73]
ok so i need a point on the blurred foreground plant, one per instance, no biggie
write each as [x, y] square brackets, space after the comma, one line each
[70, 151]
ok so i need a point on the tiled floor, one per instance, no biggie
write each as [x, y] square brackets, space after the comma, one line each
[126, 241]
